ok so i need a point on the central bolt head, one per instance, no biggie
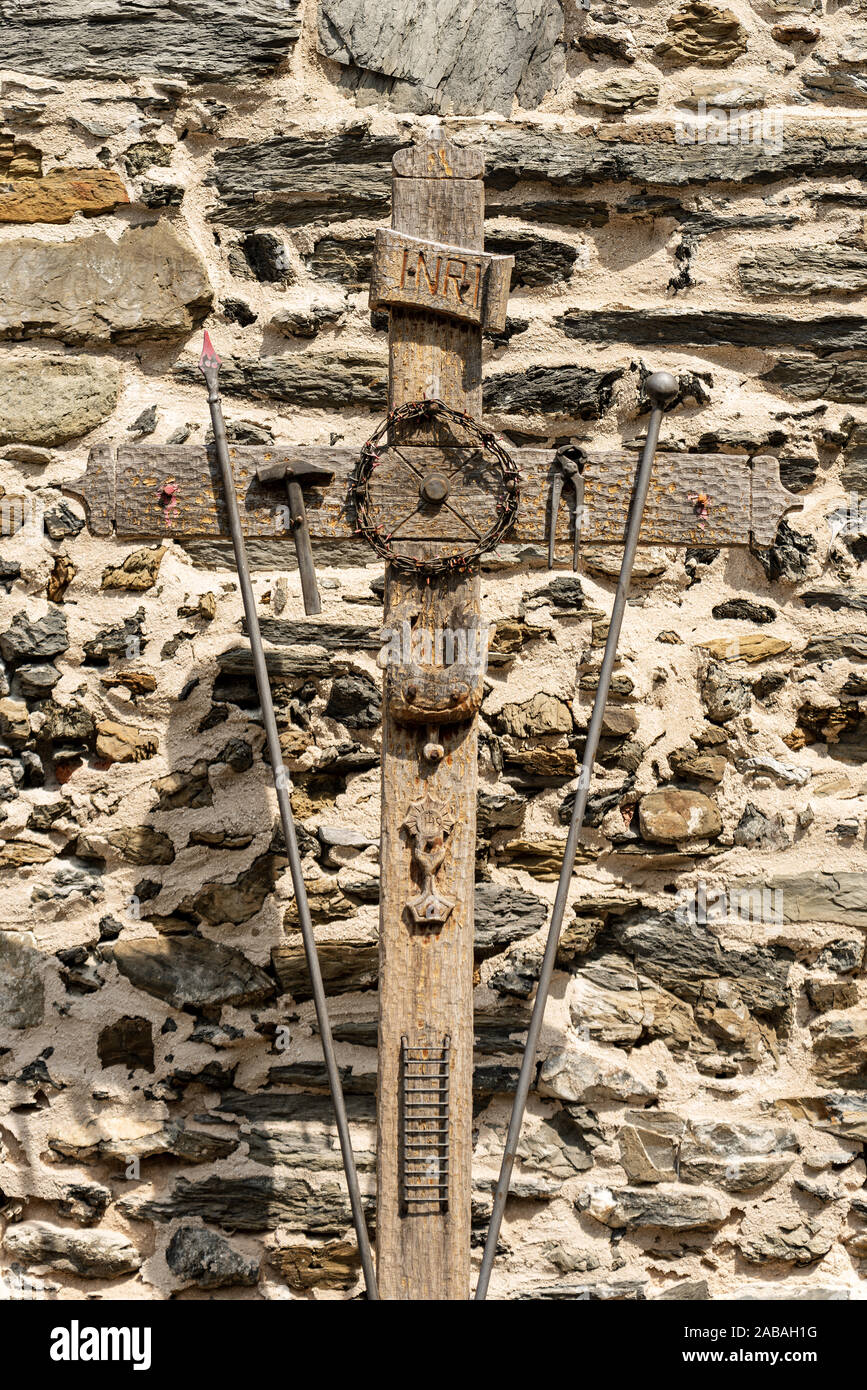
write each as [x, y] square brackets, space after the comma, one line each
[434, 488]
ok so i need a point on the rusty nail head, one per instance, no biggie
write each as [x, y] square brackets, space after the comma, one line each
[435, 487]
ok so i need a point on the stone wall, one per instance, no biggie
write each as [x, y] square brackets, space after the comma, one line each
[700, 1117]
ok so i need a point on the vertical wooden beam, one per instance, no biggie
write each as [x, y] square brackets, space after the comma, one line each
[425, 998]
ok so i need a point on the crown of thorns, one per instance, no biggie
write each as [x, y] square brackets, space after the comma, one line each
[374, 531]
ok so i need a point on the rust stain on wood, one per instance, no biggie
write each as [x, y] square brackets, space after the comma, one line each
[695, 499]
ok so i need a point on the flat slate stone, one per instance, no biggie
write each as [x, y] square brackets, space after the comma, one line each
[446, 56]
[504, 915]
[304, 379]
[807, 379]
[348, 175]
[669, 1207]
[191, 971]
[681, 957]
[334, 179]
[775, 270]
[69, 290]
[579, 393]
[715, 328]
[818, 897]
[90, 1254]
[251, 1203]
[200, 40]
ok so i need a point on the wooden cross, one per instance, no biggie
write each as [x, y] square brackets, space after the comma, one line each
[432, 495]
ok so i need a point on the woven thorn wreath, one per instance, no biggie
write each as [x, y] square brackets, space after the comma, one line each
[373, 531]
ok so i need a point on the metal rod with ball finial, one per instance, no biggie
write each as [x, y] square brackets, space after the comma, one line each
[209, 364]
[661, 388]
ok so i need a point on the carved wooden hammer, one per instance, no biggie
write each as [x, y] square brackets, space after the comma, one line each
[297, 476]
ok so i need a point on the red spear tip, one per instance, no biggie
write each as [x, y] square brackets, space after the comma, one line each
[209, 356]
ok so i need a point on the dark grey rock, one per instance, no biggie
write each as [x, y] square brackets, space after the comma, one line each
[334, 179]
[790, 1241]
[683, 957]
[538, 260]
[238, 311]
[808, 379]
[128, 1042]
[305, 379]
[355, 701]
[836, 80]
[835, 599]
[90, 1254]
[498, 810]
[561, 212]
[347, 175]
[504, 915]
[804, 271]
[196, 40]
[237, 753]
[579, 393]
[71, 721]
[746, 610]
[36, 681]
[156, 194]
[61, 522]
[788, 558]
[851, 645]
[191, 972]
[307, 321]
[723, 695]
[201, 1257]
[267, 257]
[346, 259]
[34, 639]
[85, 1203]
[123, 640]
[517, 972]
[277, 1106]
[719, 327]
[251, 1203]
[756, 830]
[438, 55]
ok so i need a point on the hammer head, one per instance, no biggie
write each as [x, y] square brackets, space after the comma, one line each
[306, 472]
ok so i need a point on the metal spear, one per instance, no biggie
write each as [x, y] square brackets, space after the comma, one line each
[210, 367]
[660, 387]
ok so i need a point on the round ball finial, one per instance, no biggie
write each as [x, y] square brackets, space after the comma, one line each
[661, 387]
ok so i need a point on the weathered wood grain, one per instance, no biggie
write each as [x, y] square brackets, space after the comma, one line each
[744, 497]
[421, 274]
[423, 1252]
[96, 488]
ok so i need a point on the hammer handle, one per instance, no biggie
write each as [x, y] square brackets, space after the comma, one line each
[303, 548]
